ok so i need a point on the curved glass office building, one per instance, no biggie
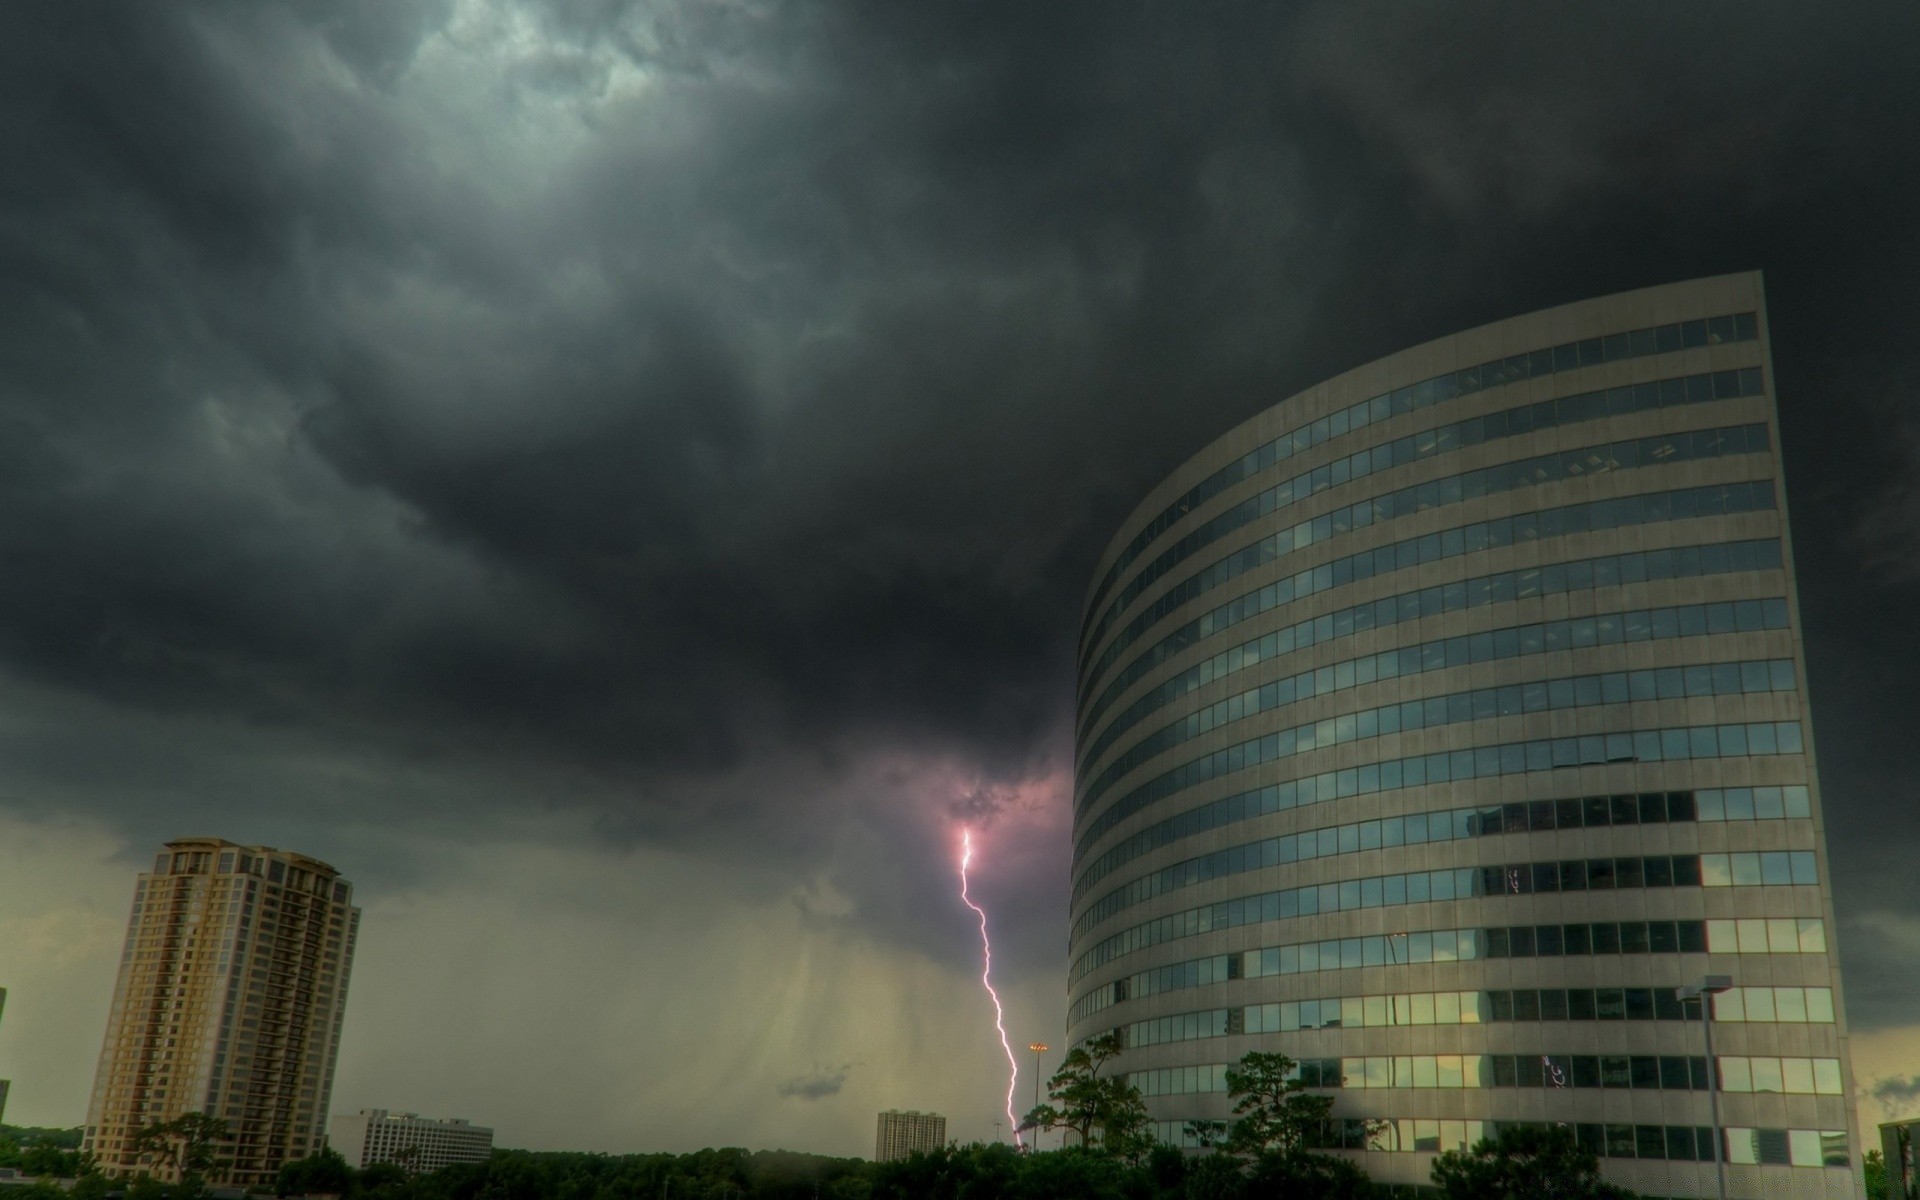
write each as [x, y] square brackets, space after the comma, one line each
[1440, 723]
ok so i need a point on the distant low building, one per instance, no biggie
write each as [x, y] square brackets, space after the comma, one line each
[418, 1144]
[901, 1134]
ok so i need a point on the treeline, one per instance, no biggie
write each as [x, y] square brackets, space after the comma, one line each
[1267, 1150]
[976, 1172]
[41, 1152]
[1524, 1163]
[728, 1174]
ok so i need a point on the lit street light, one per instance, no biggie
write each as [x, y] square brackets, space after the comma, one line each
[1712, 985]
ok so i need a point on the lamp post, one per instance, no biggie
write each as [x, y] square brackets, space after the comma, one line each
[1712, 985]
[1038, 1049]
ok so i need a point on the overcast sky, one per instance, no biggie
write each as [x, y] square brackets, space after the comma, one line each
[617, 479]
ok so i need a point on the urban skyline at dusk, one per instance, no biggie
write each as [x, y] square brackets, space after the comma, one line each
[620, 482]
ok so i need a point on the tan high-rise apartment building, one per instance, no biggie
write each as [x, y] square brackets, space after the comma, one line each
[1444, 727]
[903, 1134]
[231, 992]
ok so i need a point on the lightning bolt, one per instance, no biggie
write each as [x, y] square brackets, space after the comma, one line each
[986, 981]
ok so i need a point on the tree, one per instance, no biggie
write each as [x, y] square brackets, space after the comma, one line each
[45, 1158]
[91, 1185]
[146, 1187]
[1525, 1162]
[187, 1146]
[1090, 1104]
[1215, 1177]
[1275, 1111]
[1207, 1134]
[322, 1174]
[1298, 1175]
[383, 1178]
[1874, 1175]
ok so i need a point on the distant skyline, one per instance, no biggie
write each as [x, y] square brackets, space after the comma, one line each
[619, 482]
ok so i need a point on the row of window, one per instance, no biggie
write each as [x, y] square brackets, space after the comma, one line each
[1754, 803]
[1774, 868]
[1753, 739]
[1638, 567]
[202, 862]
[1428, 443]
[1514, 878]
[1755, 935]
[1498, 588]
[1646, 808]
[1453, 824]
[1643, 509]
[1441, 388]
[1654, 450]
[1462, 649]
[1738, 1074]
[1681, 1143]
[1578, 812]
[1740, 1145]
[1475, 704]
[1747, 935]
[1748, 1005]
[1455, 883]
[1738, 803]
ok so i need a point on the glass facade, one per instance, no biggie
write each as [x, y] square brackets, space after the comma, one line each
[1454, 709]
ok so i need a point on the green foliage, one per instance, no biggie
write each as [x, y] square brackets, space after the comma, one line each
[91, 1185]
[146, 1187]
[1874, 1174]
[1298, 1175]
[188, 1146]
[322, 1174]
[1525, 1163]
[42, 1153]
[1275, 1113]
[1104, 1111]
[1213, 1177]
[30, 1135]
[976, 1172]
[726, 1174]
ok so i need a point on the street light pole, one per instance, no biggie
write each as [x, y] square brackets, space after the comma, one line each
[1038, 1049]
[1712, 985]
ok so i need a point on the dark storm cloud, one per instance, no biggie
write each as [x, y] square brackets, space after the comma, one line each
[676, 403]
[818, 1084]
[1902, 1089]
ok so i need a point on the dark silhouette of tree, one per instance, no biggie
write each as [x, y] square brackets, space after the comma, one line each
[322, 1174]
[1525, 1162]
[1275, 1111]
[186, 1147]
[1102, 1110]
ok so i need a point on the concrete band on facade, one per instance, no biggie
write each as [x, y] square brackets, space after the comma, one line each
[1653, 1139]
